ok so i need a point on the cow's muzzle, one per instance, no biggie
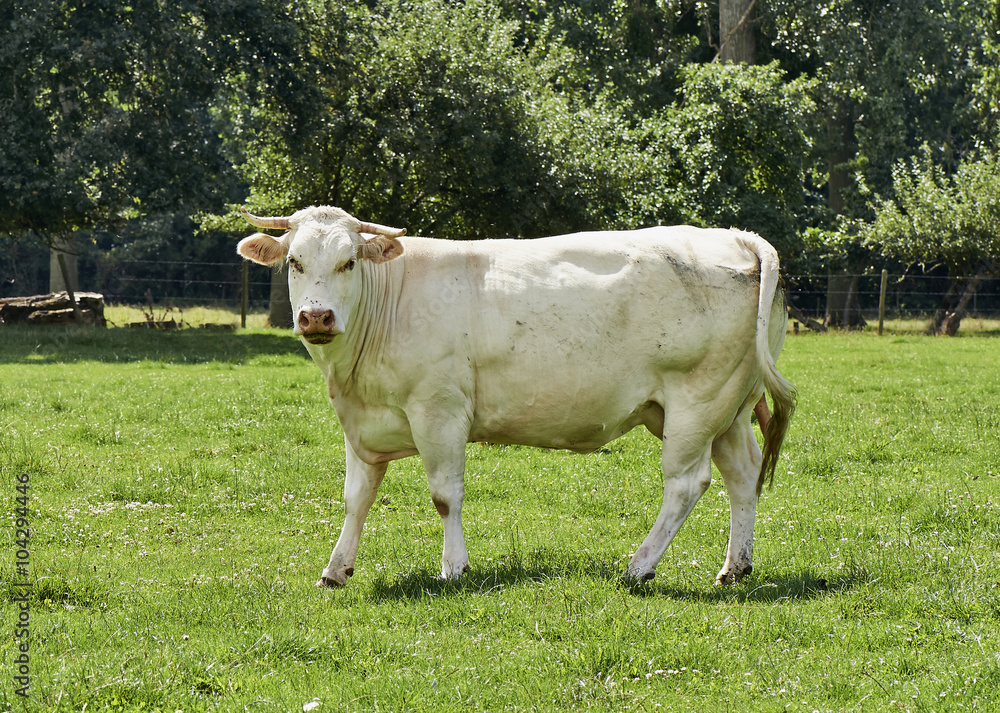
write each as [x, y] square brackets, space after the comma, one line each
[317, 326]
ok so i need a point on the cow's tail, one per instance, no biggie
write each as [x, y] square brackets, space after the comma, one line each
[782, 392]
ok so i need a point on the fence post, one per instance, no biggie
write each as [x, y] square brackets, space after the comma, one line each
[881, 300]
[244, 294]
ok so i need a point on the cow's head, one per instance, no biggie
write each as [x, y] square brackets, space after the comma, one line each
[322, 246]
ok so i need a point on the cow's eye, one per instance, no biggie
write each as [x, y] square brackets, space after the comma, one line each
[295, 264]
[349, 265]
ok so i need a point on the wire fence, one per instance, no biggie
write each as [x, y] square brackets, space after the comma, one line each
[184, 284]
[219, 284]
[907, 295]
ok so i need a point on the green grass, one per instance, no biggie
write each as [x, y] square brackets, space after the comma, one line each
[186, 491]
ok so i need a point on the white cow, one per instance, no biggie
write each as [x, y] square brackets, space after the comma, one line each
[564, 342]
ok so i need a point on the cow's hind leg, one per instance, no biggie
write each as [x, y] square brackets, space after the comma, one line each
[738, 459]
[687, 472]
[360, 487]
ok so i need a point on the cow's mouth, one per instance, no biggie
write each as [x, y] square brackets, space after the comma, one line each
[319, 338]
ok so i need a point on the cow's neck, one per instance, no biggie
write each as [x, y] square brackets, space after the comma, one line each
[357, 354]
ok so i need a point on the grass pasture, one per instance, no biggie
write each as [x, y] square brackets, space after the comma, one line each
[185, 492]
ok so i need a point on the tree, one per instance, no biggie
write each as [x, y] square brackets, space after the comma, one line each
[891, 76]
[624, 52]
[100, 122]
[738, 151]
[108, 107]
[427, 115]
[936, 217]
[421, 114]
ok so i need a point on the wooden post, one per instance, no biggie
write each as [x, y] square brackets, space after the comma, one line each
[244, 294]
[881, 300]
[77, 314]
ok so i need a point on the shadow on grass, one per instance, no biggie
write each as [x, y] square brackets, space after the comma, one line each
[515, 572]
[799, 587]
[54, 345]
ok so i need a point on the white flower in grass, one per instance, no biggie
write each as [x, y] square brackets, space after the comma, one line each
[314, 703]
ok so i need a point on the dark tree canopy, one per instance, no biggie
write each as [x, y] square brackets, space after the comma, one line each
[110, 106]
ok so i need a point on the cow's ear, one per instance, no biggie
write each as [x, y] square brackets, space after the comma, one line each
[380, 249]
[262, 249]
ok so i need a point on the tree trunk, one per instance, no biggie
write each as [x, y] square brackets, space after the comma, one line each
[279, 312]
[65, 246]
[841, 133]
[736, 20]
[948, 318]
[843, 309]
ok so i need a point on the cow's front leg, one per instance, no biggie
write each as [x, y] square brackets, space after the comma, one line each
[360, 487]
[447, 485]
[443, 454]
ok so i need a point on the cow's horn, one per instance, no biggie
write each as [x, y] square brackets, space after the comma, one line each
[376, 229]
[257, 221]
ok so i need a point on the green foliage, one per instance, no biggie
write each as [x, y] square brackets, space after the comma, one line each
[628, 49]
[429, 117]
[986, 93]
[740, 150]
[826, 251]
[934, 216]
[484, 118]
[498, 151]
[107, 105]
[893, 76]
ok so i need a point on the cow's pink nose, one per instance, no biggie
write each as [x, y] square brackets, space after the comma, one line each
[313, 321]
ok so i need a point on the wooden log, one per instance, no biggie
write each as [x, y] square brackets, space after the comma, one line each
[796, 313]
[62, 316]
[23, 310]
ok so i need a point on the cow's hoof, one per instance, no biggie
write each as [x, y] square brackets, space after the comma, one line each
[638, 577]
[454, 574]
[334, 581]
[727, 579]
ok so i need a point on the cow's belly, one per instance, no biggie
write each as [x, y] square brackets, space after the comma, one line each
[582, 387]
[580, 430]
[566, 410]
